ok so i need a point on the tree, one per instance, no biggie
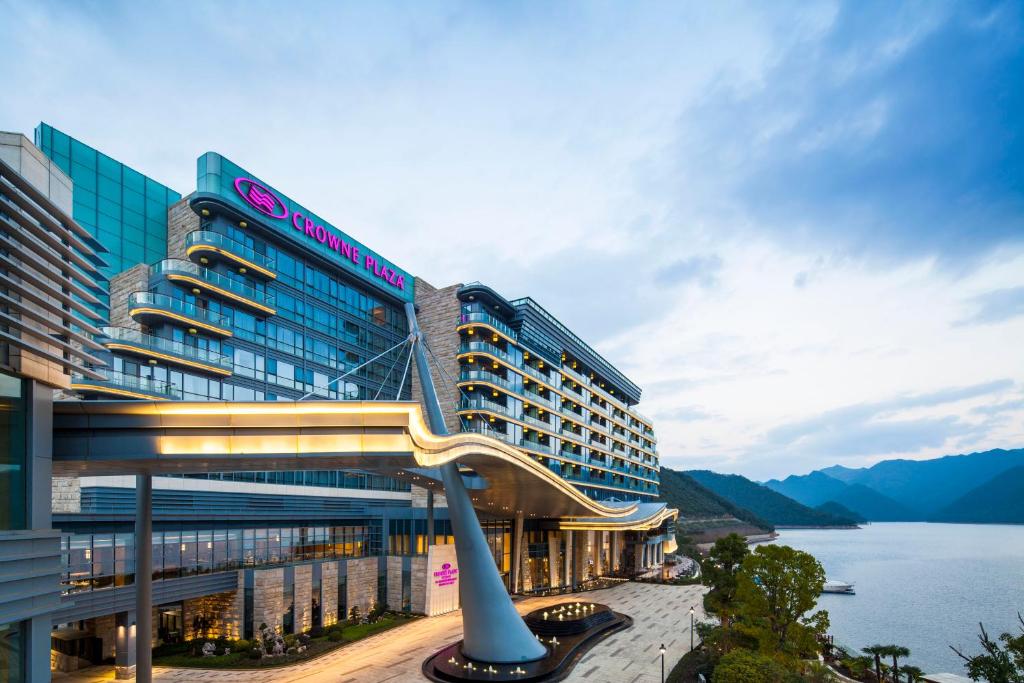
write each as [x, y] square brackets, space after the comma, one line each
[877, 651]
[746, 666]
[912, 673]
[720, 571]
[999, 663]
[896, 651]
[777, 587]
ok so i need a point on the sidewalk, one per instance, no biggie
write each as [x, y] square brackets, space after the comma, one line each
[660, 613]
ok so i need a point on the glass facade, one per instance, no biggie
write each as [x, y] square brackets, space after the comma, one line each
[532, 394]
[99, 560]
[123, 209]
[13, 452]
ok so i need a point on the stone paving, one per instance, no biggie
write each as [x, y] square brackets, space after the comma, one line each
[661, 614]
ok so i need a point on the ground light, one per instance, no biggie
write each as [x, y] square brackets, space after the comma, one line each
[691, 629]
[662, 651]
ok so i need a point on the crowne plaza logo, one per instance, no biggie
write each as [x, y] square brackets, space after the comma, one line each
[261, 198]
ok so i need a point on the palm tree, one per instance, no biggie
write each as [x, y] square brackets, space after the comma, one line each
[877, 651]
[912, 673]
[896, 651]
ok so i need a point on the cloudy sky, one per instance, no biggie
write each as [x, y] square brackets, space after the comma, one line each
[800, 227]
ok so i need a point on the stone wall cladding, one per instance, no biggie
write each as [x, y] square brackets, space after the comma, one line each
[135, 279]
[329, 592]
[394, 564]
[419, 584]
[181, 220]
[67, 494]
[268, 599]
[221, 612]
[361, 589]
[419, 498]
[103, 627]
[303, 597]
[438, 316]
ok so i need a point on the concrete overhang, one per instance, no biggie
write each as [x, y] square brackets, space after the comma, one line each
[94, 438]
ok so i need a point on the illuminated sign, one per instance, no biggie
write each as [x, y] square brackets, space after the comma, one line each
[447, 575]
[261, 198]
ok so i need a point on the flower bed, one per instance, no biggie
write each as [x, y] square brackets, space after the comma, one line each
[276, 650]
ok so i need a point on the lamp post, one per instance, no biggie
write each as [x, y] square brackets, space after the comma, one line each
[662, 651]
[691, 629]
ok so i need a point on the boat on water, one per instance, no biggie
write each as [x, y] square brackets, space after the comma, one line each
[832, 586]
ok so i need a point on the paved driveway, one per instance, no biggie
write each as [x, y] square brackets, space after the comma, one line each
[660, 613]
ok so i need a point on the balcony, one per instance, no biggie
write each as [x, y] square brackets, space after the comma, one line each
[147, 307]
[470, 376]
[202, 245]
[467, 319]
[531, 396]
[206, 280]
[159, 348]
[484, 347]
[478, 403]
[532, 445]
[124, 386]
[538, 423]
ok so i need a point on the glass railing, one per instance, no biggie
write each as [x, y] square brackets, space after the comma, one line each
[533, 397]
[169, 303]
[224, 243]
[537, 446]
[479, 403]
[181, 267]
[537, 422]
[133, 383]
[481, 376]
[168, 347]
[488, 319]
[537, 374]
[487, 431]
[484, 347]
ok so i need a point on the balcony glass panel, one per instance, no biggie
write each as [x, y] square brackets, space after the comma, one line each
[167, 346]
[169, 303]
[182, 267]
[215, 239]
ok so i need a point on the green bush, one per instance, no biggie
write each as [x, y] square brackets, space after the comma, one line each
[240, 645]
[336, 635]
[255, 653]
[744, 666]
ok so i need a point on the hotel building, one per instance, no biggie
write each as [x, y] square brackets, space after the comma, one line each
[251, 296]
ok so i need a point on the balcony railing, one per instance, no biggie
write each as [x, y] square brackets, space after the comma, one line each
[122, 338]
[205, 242]
[484, 347]
[488, 319]
[481, 376]
[185, 271]
[537, 446]
[480, 403]
[531, 396]
[536, 422]
[147, 303]
[120, 384]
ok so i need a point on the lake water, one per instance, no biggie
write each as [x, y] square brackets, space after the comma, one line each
[925, 586]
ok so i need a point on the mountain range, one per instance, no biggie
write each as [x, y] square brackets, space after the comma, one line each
[985, 487]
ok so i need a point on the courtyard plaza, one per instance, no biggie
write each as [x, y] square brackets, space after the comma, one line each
[661, 614]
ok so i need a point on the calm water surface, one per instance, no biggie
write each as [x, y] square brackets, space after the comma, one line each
[925, 586]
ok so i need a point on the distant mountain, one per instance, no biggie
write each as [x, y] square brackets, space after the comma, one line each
[834, 508]
[765, 503]
[928, 486]
[998, 501]
[818, 488]
[695, 501]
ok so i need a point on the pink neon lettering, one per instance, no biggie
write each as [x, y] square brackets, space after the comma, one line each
[346, 249]
[355, 254]
[296, 217]
[333, 242]
[370, 262]
[321, 234]
[309, 228]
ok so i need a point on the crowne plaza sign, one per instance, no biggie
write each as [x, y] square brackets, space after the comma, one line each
[217, 173]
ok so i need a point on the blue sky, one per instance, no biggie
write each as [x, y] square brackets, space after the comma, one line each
[800, 227]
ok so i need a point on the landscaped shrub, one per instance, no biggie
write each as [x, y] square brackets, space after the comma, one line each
[316, 632]
[255, 653]
[336, 635]
[240, 645]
